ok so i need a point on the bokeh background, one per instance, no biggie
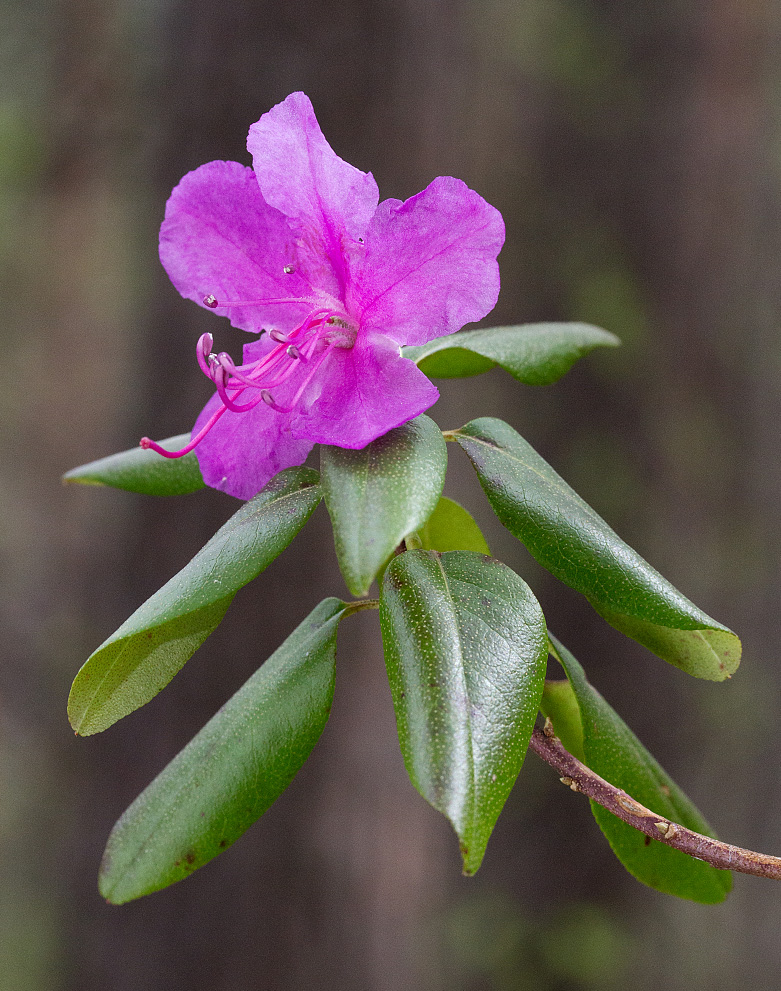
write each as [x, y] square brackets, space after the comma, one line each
[633, 148]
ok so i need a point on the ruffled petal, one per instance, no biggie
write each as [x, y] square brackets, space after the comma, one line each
[430, 264]
[328, 201]
[244, 450]
[362, 393]
[219, 236]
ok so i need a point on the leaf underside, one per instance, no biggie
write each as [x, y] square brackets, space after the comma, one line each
[451, 528]
[144, 471]
[612, 750]
[534, 354]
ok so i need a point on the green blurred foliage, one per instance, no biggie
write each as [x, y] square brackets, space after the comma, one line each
[490, 942]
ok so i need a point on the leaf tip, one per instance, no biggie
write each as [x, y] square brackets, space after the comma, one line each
[73, 478]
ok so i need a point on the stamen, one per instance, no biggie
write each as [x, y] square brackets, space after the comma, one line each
[268, 399]
[219, 381]
[203, 351]
[314, 339]
[310, 376]
[212, 302]
[148, 444]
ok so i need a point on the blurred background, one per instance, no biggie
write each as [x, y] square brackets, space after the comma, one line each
[633, 149]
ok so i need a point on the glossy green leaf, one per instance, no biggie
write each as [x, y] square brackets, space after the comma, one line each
[576, 545]
[232, 771]
[378, 495]
[143, 471]
[613, 751]
[535, 354]
[145, 653]
[465, 649]
[451, 528]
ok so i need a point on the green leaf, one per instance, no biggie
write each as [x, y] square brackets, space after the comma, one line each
[380, 494]
[451, 528]
[614, 752]
[232, 771]
[576, 545]
[143, 471]
[535, 354]
[139, 660]
[465, 649]
[561, 705]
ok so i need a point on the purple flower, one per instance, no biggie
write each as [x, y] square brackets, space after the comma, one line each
[298, 250]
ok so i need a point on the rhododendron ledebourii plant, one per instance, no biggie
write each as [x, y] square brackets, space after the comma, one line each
[299, 250]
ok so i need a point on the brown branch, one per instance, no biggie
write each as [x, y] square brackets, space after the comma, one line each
[578, 777]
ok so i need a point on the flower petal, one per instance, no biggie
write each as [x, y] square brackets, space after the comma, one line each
[243, 451]
[429, 265]
[219, 236]
[363, 393]
[328, 201]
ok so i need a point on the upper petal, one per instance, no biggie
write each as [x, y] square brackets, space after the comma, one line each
[430, 264]
[328, 201]
[219, 236]
[362, 393]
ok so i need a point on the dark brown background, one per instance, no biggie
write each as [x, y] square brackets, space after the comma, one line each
[633, 148]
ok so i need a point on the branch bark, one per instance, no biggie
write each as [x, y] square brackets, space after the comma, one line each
[580, 778]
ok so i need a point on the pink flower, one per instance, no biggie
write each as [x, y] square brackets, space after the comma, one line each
[298, 250]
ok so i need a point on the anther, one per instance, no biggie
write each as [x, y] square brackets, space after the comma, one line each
[210, 301]
[203, 351]
[287, 269]
[268, 399]
[278, 336]
[293, 351]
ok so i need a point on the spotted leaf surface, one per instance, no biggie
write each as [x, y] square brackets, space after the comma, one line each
[232, 771]
[145, 653]
[380, 494]
[465, 650]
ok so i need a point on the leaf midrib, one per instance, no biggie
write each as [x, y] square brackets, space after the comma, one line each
[462, 670]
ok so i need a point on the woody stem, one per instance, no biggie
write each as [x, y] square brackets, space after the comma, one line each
[580, 778]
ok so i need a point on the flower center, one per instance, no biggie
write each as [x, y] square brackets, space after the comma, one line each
[296, 357]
